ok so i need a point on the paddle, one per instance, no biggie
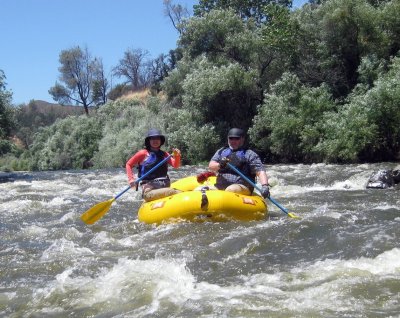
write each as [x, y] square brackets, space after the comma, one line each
[97, 211]
[255, 186]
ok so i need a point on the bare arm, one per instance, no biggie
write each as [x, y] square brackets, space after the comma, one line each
[262, 177]
[175, 160]
[213, 166]
[134, 160]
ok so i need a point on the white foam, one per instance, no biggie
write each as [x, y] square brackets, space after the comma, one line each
[155, 280]
[101, 239]
[63, 248]
[384, 206]
[325, 284]
[68, 216]
[242, 252]
[57, 202]
[17, 206]
[34, 230]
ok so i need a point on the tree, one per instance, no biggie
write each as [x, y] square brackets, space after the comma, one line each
[69, 143]
[79, 72]
[6, 113]
[223, 37]
[224, 96]
[100, 84]
[280, 32]
[390, 19]
[118, 91]
[162, 66]
[288, 123]
[7, 122]
[224, 70]
[246, 9]
[176, 13]
[336, 35]
[135, 67]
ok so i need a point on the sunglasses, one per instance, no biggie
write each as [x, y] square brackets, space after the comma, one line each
[234, 138]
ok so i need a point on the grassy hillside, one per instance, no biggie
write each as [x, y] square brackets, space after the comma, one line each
[30, 118]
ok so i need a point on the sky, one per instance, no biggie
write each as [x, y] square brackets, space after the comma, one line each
[34, 32]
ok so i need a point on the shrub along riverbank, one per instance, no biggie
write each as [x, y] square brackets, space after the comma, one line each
[317, 84]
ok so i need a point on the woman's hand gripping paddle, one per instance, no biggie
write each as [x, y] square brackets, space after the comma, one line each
[255, 186]
[97, 211]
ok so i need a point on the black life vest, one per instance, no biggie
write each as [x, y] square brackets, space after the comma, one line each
[154, 158]
[237, 158]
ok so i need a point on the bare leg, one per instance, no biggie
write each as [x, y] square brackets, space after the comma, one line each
[151, 195]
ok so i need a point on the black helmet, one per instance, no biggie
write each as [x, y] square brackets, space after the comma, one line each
[154, 133]
[236, 132]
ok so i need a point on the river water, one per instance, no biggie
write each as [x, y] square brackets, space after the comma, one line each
[341, 259]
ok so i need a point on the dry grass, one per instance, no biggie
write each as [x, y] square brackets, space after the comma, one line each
[141, 95]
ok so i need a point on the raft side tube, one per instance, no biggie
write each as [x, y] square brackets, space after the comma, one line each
[187, 206]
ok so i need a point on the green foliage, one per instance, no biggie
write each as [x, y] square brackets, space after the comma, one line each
[382, 105]
[222, 38]
[60, 94]
[315, 84]
[126, 123]
[172, 85]
[370, 69]
[79, 73]
[220, 77]
[299, 123]
[289, 122]
[246, 9]
[115, 133]
[345, 134]
[11, 162]
[196, 142]
[5, 146]
[155, 104]
[7, 122]
[221, 96]
[275, 126]
[69, 143]
[163, 65]
[280, 32]
[214, 34]
[368, 127]
[333, 38]
[390, 25]
[97, 93]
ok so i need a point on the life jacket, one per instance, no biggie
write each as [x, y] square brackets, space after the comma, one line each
[154, 158]
[237, 158]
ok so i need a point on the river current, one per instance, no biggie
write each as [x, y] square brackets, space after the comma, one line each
[341, 259]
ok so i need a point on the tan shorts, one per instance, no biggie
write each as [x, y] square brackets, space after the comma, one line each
[238, 188]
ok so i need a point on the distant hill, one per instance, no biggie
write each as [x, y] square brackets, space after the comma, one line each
[43, 107]
[39, 113]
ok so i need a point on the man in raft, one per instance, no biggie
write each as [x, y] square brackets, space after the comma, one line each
[242, 158]
[156, 185]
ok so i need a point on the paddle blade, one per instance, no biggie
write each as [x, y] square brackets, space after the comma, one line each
[293, 216]
[96, 212]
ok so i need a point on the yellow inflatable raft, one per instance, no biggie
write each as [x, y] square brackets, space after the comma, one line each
[198, 204]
